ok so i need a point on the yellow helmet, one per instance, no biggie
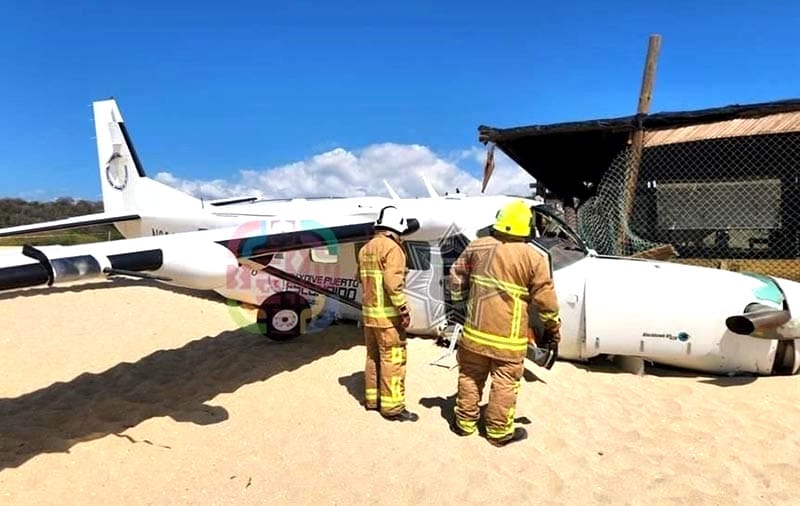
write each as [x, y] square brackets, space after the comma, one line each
[514, 219]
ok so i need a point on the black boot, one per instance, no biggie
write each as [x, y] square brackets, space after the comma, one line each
[403, 416]
[454, 428]
[519, 434]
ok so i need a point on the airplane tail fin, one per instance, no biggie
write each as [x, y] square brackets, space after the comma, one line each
[126, 188]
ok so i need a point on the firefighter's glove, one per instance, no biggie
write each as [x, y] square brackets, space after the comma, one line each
[553, 348]
[551, 345]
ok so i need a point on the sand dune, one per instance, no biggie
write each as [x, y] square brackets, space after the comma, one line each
[122, 392]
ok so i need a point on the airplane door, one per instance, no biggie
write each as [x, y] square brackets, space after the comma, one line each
[425, 286]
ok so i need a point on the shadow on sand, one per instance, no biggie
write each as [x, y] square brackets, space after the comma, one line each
[109, 284]
[447, 405]
[354, 383]
[601, 365]
[175, 383]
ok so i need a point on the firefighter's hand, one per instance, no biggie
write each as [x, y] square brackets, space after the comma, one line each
[405, 317]
[460, 312]
[551, 338]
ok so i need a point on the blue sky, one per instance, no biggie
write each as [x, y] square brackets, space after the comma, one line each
[211, 89]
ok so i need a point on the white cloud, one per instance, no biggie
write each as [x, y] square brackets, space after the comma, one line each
[344, 173]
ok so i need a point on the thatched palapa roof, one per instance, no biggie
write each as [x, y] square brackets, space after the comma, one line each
[563, 156]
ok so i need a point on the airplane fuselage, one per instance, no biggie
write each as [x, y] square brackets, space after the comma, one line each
[663, 312]
[266, 253]
[443, 220]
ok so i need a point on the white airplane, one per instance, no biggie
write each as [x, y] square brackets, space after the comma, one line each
[295, 260]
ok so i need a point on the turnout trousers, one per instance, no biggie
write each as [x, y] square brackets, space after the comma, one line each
[385, 371]
[473, 371]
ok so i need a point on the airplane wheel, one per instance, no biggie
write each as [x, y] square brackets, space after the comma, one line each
[284, 316]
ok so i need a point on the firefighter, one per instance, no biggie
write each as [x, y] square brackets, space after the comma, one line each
[382, 269]
[494, 280]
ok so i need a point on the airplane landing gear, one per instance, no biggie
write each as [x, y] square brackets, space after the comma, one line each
[284, 316]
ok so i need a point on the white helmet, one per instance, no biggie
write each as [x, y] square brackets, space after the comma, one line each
[391, 219]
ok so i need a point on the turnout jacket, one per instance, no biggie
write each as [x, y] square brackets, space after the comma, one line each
[499, 280]
[382, 272]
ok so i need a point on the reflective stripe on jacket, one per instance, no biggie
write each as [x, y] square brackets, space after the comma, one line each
[382, 271]
[499, 279]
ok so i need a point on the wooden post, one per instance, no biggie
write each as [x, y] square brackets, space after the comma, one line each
[637, 138]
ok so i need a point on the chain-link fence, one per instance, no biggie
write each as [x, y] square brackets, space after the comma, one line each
[726, 202]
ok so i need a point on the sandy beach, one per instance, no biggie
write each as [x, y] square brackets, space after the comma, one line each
[121, 392]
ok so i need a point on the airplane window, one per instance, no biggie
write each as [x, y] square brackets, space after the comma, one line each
[452, 246]
[323, 255]
[418, 255]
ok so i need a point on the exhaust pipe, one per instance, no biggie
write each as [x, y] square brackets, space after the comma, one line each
[759, 321]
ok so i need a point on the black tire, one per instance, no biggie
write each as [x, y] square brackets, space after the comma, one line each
[284, 316]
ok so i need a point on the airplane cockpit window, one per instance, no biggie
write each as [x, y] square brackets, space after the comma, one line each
[555, 236]
[552, 234]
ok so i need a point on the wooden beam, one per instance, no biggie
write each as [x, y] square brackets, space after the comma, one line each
[649, 76]
[637, 138]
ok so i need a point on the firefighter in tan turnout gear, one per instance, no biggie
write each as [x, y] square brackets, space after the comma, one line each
[382, 269]
[498, 276]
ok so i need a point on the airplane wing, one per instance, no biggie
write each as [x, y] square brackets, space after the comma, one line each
[86, 220]
[202, 260]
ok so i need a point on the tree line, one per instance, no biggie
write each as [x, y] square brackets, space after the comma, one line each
[15, 212]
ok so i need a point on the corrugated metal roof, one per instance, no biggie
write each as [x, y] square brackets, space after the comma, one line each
[775, 123]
